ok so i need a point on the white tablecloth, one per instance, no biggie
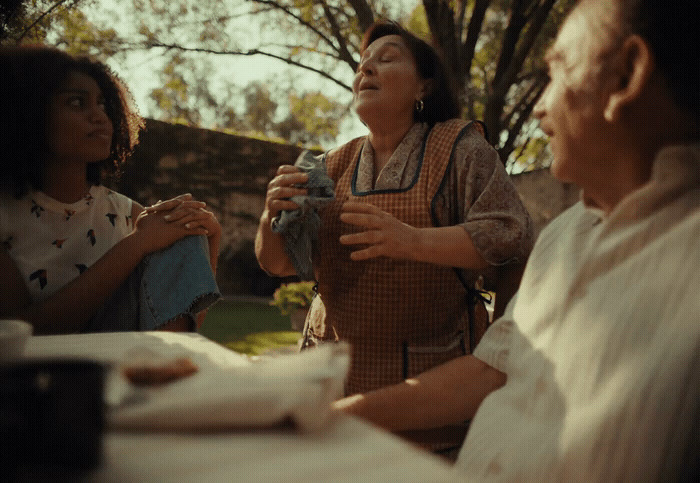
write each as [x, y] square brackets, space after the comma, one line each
[347, 449]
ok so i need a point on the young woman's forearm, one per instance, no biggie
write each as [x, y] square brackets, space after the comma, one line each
[71, 307]
[447, 394]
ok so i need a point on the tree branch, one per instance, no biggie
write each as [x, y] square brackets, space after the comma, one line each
[442, 27]
[538, 79]
[250, 52]
[343, 51]
[459, 17]
[41, 17]
[8, 10]
[365, 15]
[510, 39]
[511, 61]
[473, 31]
[441, 20]
[526, 107]
[287, 11]
[539, 17]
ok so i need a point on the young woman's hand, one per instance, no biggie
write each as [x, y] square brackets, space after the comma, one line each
[173, 203]
[154, 232]
[190, 214]
[184, 210]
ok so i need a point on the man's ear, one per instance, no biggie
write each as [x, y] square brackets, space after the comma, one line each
[635, 66]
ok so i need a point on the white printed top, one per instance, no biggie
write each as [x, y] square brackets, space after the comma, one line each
[51, 243]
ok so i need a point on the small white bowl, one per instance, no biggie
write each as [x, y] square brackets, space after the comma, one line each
[13, 337]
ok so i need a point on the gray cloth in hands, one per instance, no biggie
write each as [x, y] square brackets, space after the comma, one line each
[299, 227]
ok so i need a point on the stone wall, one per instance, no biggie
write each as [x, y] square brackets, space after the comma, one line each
[231, 174]
[544, 196]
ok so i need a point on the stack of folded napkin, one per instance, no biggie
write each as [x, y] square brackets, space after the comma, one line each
[299, 387]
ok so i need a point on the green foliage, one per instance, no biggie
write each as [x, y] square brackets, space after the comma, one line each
[314, 117]
[291, 296]
[260, 343]
[498, 82]
[533, 153]
[418, 23]
[31, 20]
[260, 108]
[181, 94]
[248, 327]
[24, 22]
[230, 320]
[189, 96]
[77, 35]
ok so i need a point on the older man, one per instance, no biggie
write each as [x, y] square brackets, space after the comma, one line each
[593, 373]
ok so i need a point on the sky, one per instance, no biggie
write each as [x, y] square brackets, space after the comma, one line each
[140, 70]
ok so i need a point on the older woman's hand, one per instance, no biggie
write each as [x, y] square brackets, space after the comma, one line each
[282, 187]
[384, 234]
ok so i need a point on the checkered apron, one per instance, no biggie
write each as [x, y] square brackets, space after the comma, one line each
[401, 317]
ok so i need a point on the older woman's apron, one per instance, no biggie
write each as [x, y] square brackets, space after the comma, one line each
[401, 317]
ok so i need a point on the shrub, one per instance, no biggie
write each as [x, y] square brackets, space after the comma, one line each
[290, 296]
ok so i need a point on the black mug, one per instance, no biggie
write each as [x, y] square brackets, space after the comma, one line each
[51, 415]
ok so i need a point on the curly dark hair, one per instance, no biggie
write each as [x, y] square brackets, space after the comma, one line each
[31, 77]
[440, 104]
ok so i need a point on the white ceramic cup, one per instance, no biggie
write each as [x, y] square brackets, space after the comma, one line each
[13, 337]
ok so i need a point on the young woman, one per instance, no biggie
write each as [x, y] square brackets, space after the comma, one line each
[77, 256]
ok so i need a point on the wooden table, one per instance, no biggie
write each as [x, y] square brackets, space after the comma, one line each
[346, 450]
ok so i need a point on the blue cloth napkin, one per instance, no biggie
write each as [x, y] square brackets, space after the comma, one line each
[299, 227]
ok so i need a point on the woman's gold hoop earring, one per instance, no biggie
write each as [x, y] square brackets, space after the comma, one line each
[419, 105]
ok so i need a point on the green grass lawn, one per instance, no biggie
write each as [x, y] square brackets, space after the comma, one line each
[249, 327]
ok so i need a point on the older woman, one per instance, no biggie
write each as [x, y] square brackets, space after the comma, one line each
[422, 195]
